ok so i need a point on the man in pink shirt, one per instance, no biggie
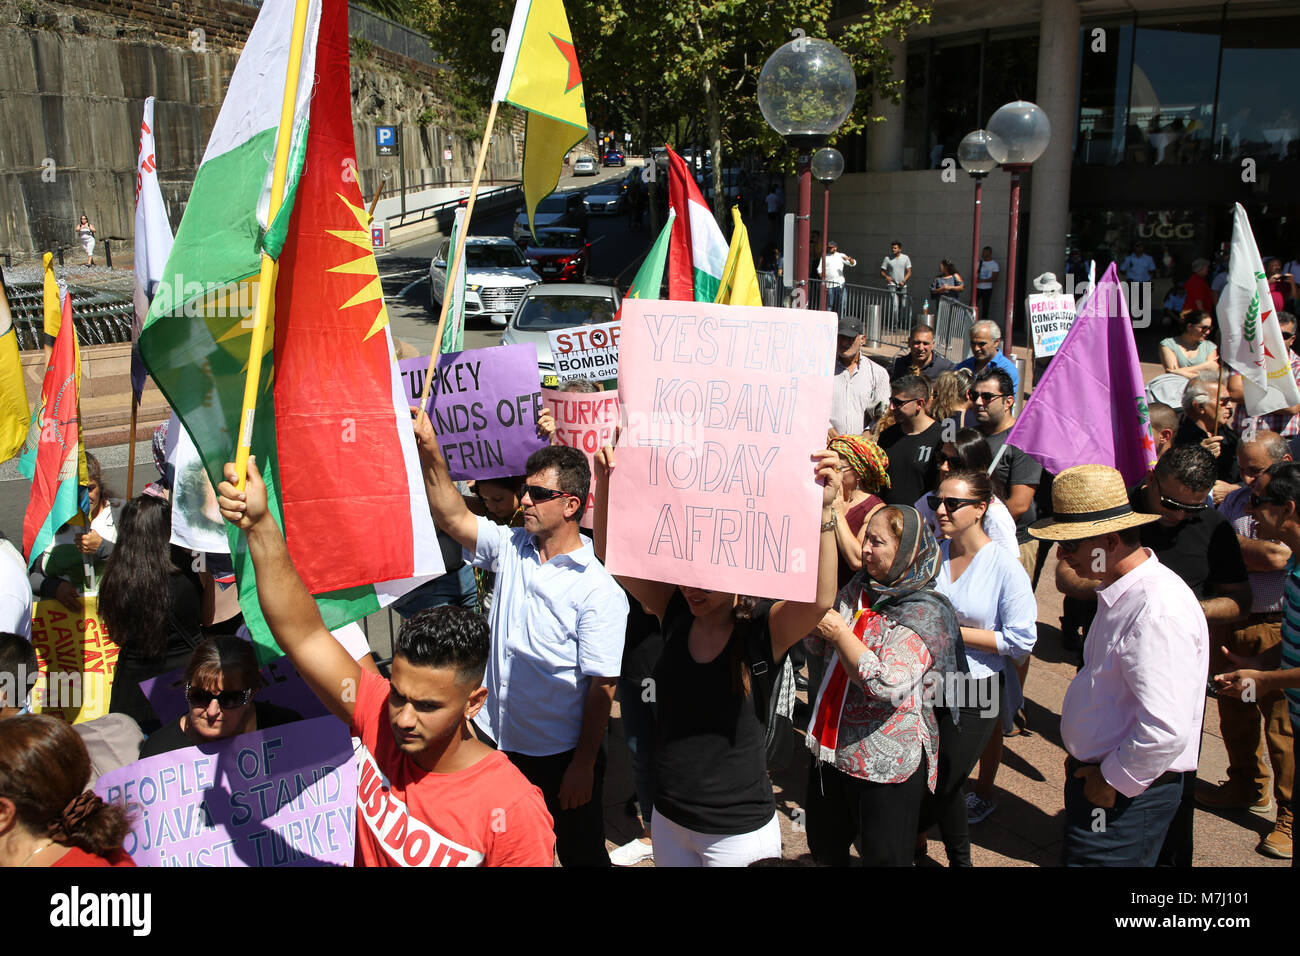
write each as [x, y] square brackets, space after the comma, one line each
[1131, 719]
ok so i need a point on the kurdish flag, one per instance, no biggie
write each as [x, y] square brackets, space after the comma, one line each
[153, 240]
[332, 434]
[739, 284]
[539, 74]
[13, 392]
[1251, 337]
[697, 256]
[53, 444]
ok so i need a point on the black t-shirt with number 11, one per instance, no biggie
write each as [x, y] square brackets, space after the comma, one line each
[913, 462]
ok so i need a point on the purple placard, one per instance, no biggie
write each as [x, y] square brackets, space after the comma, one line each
[286, 796]
[282, 685]
[484, 405]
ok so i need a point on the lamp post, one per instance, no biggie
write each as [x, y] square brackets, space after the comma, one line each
[805, 91]
[973, 154]
[1021, 132]
[827, 165]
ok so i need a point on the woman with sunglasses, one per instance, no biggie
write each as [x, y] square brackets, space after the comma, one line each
[968, 451]
[154, 603]
[220, 681]
[889, 642]
[990, 592]
[1192, 351]
[713, 800]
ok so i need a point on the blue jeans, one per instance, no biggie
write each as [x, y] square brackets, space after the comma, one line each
[835, 298]
[1129, 834]
[455, 588]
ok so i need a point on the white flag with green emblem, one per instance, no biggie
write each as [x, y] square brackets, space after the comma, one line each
[1250, 337]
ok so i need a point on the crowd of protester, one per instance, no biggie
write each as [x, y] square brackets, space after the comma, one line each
[914, 651]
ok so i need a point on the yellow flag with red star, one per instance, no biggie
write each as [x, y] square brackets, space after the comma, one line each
[332, 432]
[540, 74]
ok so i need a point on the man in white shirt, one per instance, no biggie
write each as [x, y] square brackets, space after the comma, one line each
[1137, 265]
[558, 620]
[988, 275]
[1131, 719]
[831, 269]
[860, 388]
[896, 270]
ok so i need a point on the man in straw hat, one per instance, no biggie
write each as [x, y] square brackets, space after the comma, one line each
[1131, 720]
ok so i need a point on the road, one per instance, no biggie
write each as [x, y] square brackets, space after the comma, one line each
[617, 250]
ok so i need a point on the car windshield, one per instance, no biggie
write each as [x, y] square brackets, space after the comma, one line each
[547, 313]
[503, 256]
[553, 204]
[556, 240]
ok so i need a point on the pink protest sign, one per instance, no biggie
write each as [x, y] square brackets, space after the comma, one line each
[586, 421]
[723, 408]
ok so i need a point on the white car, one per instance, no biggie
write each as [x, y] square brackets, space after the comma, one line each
[549, 308]
[605, 199]
[586, 166]
[498, 276]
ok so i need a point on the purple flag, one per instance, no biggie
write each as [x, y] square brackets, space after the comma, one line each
[1090, 406]
[483, 405]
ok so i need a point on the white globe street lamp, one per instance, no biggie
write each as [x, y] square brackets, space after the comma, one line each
[1021, 133]
[805, 91]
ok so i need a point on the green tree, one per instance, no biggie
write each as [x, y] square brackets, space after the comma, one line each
[673, 69]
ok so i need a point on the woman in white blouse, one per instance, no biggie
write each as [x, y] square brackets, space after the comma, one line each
[968, 451]
[989, 590]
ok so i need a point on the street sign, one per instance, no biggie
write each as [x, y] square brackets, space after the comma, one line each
[379, 234]
[386, 140]
[627, 138]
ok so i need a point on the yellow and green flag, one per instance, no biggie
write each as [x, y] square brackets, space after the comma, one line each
[539, 74]
[13, 393]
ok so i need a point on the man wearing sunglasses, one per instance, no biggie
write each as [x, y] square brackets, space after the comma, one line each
[1198, 545]
[912, 442]
[558, 620]
[992, 399]
[1275, 506]
[1131, 719]
[1248, 786]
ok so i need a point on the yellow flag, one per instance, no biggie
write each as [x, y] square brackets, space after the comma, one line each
[739, 285]
[53, 314]
[13, 395]
[539, 74]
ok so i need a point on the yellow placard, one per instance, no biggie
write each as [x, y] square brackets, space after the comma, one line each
[77, 661]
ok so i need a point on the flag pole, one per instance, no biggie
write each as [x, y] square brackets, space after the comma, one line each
[458, 254]
[266, 278]
[130, 452]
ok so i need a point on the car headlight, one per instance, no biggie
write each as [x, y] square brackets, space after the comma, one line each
[473, 288]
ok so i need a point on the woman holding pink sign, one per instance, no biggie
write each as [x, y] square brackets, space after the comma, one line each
[713, 802]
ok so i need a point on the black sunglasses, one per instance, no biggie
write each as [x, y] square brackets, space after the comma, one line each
[950, 504]
[1069, 547]
[226, 699]
[895, 403]
[540, 494]
[981, 398]
[952, 461]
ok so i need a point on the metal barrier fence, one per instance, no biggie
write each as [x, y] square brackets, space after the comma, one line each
[952, 329]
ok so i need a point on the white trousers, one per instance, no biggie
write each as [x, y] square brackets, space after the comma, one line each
[674, 845]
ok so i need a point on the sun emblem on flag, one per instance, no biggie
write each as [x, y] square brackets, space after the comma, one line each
[363, 265]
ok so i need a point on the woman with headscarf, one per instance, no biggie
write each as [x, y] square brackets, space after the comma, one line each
[864, 470]
[890, 641]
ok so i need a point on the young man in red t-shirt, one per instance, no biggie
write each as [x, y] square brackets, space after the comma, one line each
[429, 793]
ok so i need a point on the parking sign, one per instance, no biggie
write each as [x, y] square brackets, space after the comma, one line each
[386, 140]
[378, 234]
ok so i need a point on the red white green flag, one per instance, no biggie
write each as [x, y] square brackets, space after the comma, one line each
[697, 255]
[332, 432]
